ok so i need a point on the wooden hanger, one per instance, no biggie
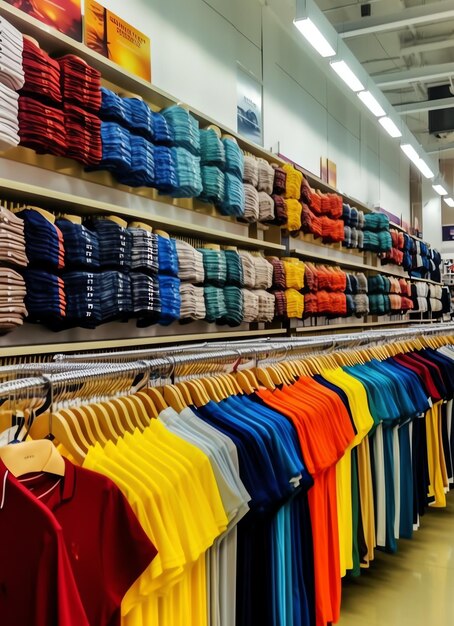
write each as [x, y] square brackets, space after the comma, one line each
[213, 389]
[199, 396]
[157, 398]
[60, 430]
[33, 456]
[244, 381]
[185, 392]
[148, 403]
[174, 398]
[263, 376]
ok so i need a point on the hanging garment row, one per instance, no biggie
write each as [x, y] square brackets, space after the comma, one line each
[259, 490]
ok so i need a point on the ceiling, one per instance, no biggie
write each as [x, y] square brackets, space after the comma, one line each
[407, 46]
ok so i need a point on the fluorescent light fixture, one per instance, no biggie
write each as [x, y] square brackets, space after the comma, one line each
[410, 152]
[312, 34]
[416, 159]
[449, 201]
[349, 78]
[390, 127]
[424, 169]
[368, 99]
[440, 190]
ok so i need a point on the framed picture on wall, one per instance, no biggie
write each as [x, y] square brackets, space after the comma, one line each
[249, 106]
[63, 15]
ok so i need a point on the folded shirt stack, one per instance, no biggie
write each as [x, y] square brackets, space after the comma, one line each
[116, 148]
[138, 117]
[188, 174]
[280, 179]
[11, 50]
[234, 158]
[309, 222]
[190, 263]
[251, 203]
[361, 304]
[146, 300]
[192, 302]
[266, 207]
[42, 74]
[294, 273]
[212, 150]
[233, 201]
[168, 256]
[263, 273]
[332, 230]
[45, 300]
[280, 305]
[295, 304]
[213, 183]
[310, 304]
[42, 127]
[142, 172]
[280, 210]
[12, 295]
[144, 250]
[9, 118]
[248, 265]
[266, 305]
[80, 83]
[169, 291]
[184, 128]
[115, 242]
[166, 179]
[279, 275]
[83, 135]
[265, 176]
[251, 171]
[233, 299]
[214, 303]
[12, 239]
[293, 210]
[250, 305]
[115, 295]
[215, 266]
[395, 302]
[234, 268]
[81, 245]
[379, 304]
[293, 182]
[83, 305]
[43, 240]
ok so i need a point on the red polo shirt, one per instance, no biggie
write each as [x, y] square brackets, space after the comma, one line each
[107, 547]
[37, 586]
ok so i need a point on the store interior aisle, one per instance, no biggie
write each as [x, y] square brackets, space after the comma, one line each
[413, 587]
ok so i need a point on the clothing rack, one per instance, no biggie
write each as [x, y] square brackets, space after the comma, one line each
[55, 377]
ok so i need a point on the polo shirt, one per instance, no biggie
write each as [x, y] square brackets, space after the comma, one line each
[107, 547]
[33, 556]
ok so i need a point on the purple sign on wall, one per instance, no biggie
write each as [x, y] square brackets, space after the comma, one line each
[448, 232]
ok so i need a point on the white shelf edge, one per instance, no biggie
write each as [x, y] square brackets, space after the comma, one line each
[78, 346]
[12, 188]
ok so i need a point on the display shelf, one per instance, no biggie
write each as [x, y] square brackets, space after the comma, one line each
[55, 42]
[425, 280]
[338, 257]
[78, 346]
[334, 327]
[188, 221]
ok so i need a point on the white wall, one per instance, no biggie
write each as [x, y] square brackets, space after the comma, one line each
[196, 45]
[431, 215]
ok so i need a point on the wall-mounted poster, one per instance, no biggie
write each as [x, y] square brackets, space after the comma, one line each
[64, 15]
[117, 40]
[448, 232]
[249, 106]
[332, 173]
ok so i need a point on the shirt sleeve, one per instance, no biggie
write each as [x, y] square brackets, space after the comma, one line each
[126, 549]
